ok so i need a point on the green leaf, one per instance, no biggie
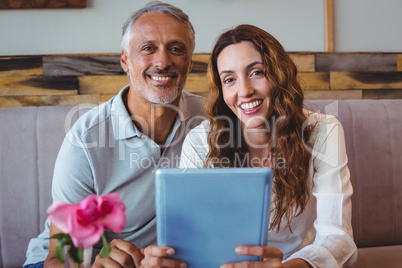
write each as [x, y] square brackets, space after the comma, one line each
[76, 254]
[106, 247]
[59, 248]
[60, 236]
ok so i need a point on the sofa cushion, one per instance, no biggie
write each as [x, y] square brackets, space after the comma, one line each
[375, 257]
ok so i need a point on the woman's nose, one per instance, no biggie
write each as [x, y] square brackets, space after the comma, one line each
[246, 89]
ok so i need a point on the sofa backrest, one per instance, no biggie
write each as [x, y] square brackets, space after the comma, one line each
[31, 138]
[373, 132]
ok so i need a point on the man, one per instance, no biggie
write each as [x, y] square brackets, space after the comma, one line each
[118, 146]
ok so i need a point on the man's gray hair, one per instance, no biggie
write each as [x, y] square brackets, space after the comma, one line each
[158, 7]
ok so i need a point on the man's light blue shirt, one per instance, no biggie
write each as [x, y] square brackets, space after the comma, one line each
[105, 152]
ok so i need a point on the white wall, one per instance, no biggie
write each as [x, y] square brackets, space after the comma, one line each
[360, 25]
[368, 25]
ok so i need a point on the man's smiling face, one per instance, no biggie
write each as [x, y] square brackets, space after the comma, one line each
[159, 58]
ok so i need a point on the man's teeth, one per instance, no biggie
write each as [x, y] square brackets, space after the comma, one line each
[161, 78]
[251, 105]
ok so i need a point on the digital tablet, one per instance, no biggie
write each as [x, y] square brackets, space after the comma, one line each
[204, 214]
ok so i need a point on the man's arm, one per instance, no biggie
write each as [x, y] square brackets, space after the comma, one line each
[52, 260]
[123, 254]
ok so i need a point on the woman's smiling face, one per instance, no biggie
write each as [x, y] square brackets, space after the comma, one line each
[245, 87]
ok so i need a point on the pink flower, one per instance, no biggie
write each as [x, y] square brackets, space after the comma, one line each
[86, 222]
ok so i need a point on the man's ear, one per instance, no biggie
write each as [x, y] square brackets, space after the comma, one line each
[124, 61]
[190, 66]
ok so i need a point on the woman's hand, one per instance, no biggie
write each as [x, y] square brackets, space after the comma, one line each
[155, 256]
[272, 257]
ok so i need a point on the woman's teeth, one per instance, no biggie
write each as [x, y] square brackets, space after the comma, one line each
[250, 105]
[161, 78]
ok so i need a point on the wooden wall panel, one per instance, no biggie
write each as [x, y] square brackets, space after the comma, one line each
[196, 83]
[304, 62]
[13, 4]
[20, 66]
[371, 80]
[48, 100]
[370, 62]
[102, 84]
[82, 65]
[333, 94]
[314, 81]
[70, 79]
[201, 57]
[399, 63]
[382, 94]
[38, 85]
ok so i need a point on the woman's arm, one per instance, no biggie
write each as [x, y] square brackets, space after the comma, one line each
[332, 189]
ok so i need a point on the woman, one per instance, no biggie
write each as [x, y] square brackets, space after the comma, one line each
[256, 119]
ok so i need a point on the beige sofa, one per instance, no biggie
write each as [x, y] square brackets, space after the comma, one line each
[31, 137]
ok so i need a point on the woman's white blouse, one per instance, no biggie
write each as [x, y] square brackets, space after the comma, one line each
[322, 234]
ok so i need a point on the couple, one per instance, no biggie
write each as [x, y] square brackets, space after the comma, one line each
[252, 80]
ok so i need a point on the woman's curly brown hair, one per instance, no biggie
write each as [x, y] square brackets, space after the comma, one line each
[291, 181]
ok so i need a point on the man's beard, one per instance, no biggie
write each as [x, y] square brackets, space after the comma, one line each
[162, 96]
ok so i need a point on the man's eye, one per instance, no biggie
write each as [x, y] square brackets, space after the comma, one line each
[147, 48]
[177, 50]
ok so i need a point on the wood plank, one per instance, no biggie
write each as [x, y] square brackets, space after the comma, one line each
[201, 57]
[314, 81]
[382, 94]
[20, 66]
[304, 62]
[19, 101]
[38, 85]
[357, 62]
[196, 83]
[200, 62]
[82, 65]
[371, 80]
[399, 63]
[102, 84]
[199, 67]
[106, 97]
[333, 94]
[329, 25]
[14, 4]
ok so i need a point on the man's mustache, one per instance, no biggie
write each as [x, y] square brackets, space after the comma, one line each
[168, 71]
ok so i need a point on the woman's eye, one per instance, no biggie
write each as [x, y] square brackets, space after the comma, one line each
[228, 80]
[257, 72]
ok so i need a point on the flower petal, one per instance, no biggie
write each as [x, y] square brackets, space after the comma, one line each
[89, 208]
[59, 213]
[84, 234]
[113, 212]
[115, 220]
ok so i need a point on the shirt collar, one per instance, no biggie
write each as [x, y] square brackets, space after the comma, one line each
[123, 126]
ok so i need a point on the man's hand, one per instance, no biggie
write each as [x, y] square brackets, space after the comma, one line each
[123, 254]
[157, 257]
